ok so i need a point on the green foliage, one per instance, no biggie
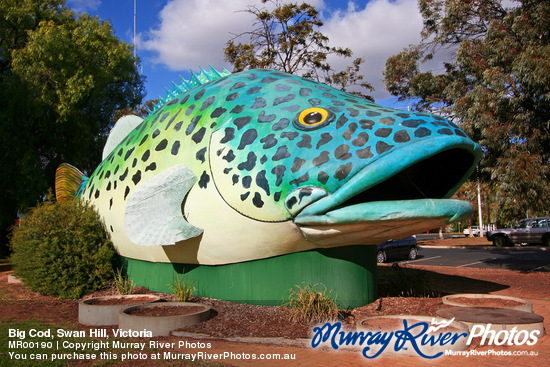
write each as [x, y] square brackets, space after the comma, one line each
[122, 283]
[312, 303]
[62, 77]
[182, 288]
[287, 39]
[62, 250]
[497, 86]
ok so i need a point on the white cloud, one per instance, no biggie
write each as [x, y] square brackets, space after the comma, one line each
[194, 32]
[379, 30]
[81, 6]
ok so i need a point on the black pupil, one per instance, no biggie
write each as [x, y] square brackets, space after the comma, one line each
[313, 118]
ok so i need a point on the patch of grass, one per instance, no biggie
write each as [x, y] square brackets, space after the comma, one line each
[312, 303]
[182, 288]
[123, 284]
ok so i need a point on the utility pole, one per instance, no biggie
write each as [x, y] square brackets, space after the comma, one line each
[480, 212]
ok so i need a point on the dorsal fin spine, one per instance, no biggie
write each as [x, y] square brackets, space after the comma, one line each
[196, 80]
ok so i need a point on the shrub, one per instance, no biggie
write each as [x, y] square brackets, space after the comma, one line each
[62, 249]
[182, 288]
[312, 303]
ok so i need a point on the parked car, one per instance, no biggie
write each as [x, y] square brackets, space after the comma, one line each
[529, 230]
[475, 231]
[406, 248]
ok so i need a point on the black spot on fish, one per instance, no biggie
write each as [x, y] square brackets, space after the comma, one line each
[108, 174]
[268, 80]
[249, 164]
[325, 138]
[137, 177]
[298, 163]
[261, 181]
[401, 136]
[300, 180]
[259, 103]
[305, 92]
[263, 159]
[342, 152]
[460, 133]
[145, 155]
[164, 117]
[349, 132]
[291, 202]
[144, 139]
[367, 124]
[240, 122]
[322, 87]
[247, 181]
[343, 171]
[403, 115]
[177, 126]
[126, 192]
[290, 135]
[229, 157]
[257, 200]
[281, 124]
[108, 186]
[338, 103]
[315, 102]
[322, 177]
[353, 112]
[121, 150]
[387, 121]
[439, 123]
[207, 103]
[235, 179]
[199, 135]
[205, 178]
[279, 172]
[245, 196]
[289, 97]
[116, 169]
[372, 113]
[383, 132]
[422, 132]
[192, 125]
[305, 142]
[277, 196]
[269, 141]
[342, 120]
[229, 135]
[156, 133]
[247, 138]
[175, 147]
[96, 195]
[218, 112]
[382, 147]
[237, 109]
[253, 90]
[412, 123]
[199, 95]
[200, 155]
[185, 99]
[445, 131]
[151, 167]
[321, 159]
[124, 175]
[134, 163]
[189, 110]
[361, 139]
[110, 206]
[227, 170]
[282, 153]
[162, 145]
[232, 97]
[364, 153]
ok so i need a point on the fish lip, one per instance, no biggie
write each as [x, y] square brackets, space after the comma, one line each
[327, 210]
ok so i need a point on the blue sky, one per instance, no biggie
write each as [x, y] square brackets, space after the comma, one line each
[174, 36]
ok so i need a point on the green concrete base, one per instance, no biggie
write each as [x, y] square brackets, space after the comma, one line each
[349, 271]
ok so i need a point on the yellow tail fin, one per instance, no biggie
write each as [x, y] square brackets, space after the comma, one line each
[67, 182]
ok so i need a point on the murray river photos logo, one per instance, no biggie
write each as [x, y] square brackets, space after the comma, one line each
[423, 339]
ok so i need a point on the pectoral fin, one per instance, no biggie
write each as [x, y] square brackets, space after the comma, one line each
[153, 215]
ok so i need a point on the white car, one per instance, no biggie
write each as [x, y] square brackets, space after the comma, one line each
[475, 231]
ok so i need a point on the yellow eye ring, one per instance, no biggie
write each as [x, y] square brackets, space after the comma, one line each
[313, 118]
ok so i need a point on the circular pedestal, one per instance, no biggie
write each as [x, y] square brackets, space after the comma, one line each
[488, 300]
[104, 310]
[160, 325]
[495, 320]
[439, 335]
[350, 271]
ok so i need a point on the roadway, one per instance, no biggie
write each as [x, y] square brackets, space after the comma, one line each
[524, 258]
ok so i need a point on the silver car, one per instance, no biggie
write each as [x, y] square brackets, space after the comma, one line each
[530, 230]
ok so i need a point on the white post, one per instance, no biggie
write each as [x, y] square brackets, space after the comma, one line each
[480, 213]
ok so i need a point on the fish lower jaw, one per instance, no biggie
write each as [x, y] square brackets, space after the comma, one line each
[376, 222]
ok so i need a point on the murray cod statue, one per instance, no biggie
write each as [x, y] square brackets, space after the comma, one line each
[252, 182]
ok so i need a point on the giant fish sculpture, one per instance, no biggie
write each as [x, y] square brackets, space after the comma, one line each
[251, 165]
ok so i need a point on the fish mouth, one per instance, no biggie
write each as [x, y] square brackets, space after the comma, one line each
[403, 192]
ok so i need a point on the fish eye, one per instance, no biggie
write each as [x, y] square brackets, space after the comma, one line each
[313, 118]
